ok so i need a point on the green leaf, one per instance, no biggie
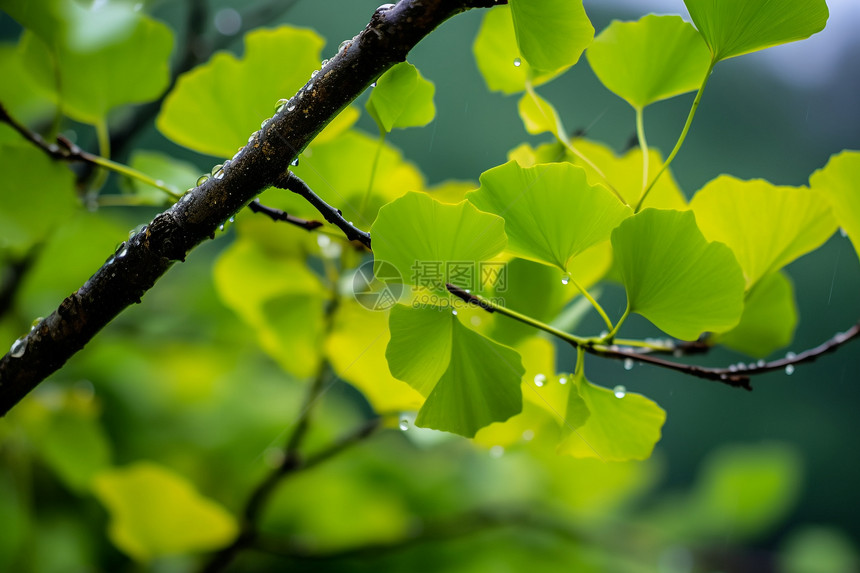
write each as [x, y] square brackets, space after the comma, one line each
[416, 234]
[538, 115]
[735, 27]
[215, 107]
[768, 321]
[766, 226]
[75, 446]
[402, 98]
[34, 200]
[469, 380]
[838, 182]
[551, 34]
[155, 512]
[498, 58]
[743, 490]
[674, 277]
[611, 425]
[653, 59]
[356, 350]
[93, 59]
[551, 212]
[283, 308]
[818, 549]
[176, 174]
[21, 97]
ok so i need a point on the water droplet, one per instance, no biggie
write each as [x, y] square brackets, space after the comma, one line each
[314, 73]
[136, 231]
[310, 86]
[291, 107]
[343, 45]
[202, 179]
[497, 452]
[454, 312]
[628, 364]
[733, 368]
[264, 124]
[843, 232]
[19, 347]
[232, 219]
[295, 162]
[528, 435]
[540, 380]
[619, 391]
[404, 424]
[565, 278]
[279, 105]
[36, 322]
[159, 183]
[517, 62]
[789, 369]
[221, 227]
[562, 380]
[604, 333]
[216, 169]
[385, 7]
[373, 85]
[790, 355]
[121, 250]
[253, 137]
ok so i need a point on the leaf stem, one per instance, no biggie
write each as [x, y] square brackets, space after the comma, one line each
[132, 173]
[609, 337]
[369, 192]
[594, 303]
[643, 144]
[681, 138]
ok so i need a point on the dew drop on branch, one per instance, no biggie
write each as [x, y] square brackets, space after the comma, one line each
[789, 370]
[294, 162]
[628, 364]
[404, 424]
[202, 179]
[19, 347]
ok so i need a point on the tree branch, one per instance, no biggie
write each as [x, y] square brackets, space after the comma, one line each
[735, 376]
[391, 33]
[293, 182]
[279, 215]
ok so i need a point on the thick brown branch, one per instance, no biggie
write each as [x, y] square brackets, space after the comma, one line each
[125, 277]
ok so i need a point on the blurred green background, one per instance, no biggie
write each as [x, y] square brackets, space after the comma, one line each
[777, 115]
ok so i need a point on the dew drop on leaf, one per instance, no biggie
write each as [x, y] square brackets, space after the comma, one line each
[18, 348]
[540, 380]
[517, 62]
[562, 380]
[454, 312]
[619, 391]
[373, 85]
[565, 279]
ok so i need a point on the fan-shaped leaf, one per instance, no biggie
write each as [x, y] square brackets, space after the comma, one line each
[551, 34]
[838, 181]
[674, 277]
[402, 98]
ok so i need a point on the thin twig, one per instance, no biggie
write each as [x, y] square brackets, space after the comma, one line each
[738, 377]
[293, 182]
[279, 215]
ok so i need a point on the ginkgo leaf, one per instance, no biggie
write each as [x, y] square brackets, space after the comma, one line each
[432, 243]
[768, 321]
[735, 27]
[766, 226]
[155, 512]
[216, 106]
[551, 212]
[284, 309]
[469, 380]
[655, 58]
[498, 57]
[551, 34]
[90, 58]
[538, 115]
[402, 98]
[837, 181]
[619, 425]
[356, 350]
[674, 277]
